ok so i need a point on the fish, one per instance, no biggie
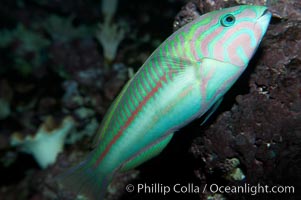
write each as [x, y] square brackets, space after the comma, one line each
[185, 78]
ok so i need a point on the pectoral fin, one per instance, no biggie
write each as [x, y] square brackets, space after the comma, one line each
[213, 108]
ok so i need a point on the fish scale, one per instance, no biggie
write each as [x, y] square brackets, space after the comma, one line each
[185, 78]
[135, 98]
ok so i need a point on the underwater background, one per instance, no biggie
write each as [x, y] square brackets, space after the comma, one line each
[63, 62]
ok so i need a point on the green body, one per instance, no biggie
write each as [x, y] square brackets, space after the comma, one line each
[185, 76]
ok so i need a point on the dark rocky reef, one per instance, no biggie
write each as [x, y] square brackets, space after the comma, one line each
[263, 128]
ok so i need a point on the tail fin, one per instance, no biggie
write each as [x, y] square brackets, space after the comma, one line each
[86, 180]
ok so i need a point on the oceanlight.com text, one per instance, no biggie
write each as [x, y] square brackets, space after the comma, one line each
[190, 188]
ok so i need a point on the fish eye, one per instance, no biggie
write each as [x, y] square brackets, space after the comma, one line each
[227, 20]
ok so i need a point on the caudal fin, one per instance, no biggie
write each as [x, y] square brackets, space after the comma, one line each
[85, 180]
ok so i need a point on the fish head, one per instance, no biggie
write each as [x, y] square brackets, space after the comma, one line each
[233, 34]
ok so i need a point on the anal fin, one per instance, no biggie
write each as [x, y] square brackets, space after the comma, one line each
[147, 153]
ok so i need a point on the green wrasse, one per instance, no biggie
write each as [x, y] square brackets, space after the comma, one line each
[184, 78]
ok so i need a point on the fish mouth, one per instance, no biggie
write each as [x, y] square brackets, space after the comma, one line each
[265, 17]
[263, 21]
[265, 12]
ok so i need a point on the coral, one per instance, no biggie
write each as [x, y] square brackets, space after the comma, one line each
[114, 85]
[110, 35]
[188, 13]
[108, 9]
[47, 142]
[89, 129]
[28, 48]
[71, 59]
[61, 29]
[72, 97]
[31, 41]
